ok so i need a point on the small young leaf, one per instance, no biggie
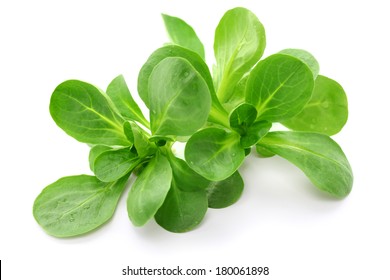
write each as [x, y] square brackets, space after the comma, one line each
[326, 112]
[254, 133]
[174, 89]
[111, 165]
[242, 117]
[317, 155]
[238, 44]
[182, 211]
[77, 204]
[214, 153]
[95, 152]
[183, 34]
[84, 113]
[279, 87]
[120, 95]
[306, 57]
[141, 141]
[224, 193]
[149, 190]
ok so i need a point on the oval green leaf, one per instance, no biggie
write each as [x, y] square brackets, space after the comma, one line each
[95, 152]
[214, 153]
[84, 113]
[279, 87]
[306, 57]
[224, 193]
[242, 117]
[171, 51]
[317, 155]
[254, 133]
[238, 44]
[183, 34]
[326, 112]
[113, 164]
[149, 190]
[120, 95]
[182, 211]
[77, 204]
[179, 98]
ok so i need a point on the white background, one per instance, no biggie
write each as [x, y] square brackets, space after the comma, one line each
[282, 221]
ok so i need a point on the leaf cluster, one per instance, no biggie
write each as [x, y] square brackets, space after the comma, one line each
[221, 117]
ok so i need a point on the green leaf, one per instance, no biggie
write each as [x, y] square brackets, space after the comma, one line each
[263, 152]
[95, 152]
[183, 34]
[179, 98]
[111, 165]
[149, 190]
[326, 112]
[242, 117]
[217, 113]
[279, 87]
[305, 57]
[140, 137]
[214, 153]
[170, 51]
[224, 193]
[84, 113]
[254, 133]
[182, 210]
[184, 177]
[238, 44]
[77, 204]
[317, 155]
[120, 95]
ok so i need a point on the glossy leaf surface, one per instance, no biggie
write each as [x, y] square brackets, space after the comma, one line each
[279, 87]
[214, 153]
[224, 193]
[183, 34]
[77, 204]
[326, 112]
[317, 155]
[84, 113]
[182, 210]
[95, 152]
[171, 51]
[113, 164]
[238, 44]
[174, 88]
[306, 57]
[120, 95]
[149, 190]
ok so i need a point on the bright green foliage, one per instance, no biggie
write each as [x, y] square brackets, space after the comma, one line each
[77, 204]
[306, 57]
[174, 88]
[84, 113]
[149, 190]
[114, 164]
[279, 87]
[221, 119]
[238, 44]
[120, 95]
[94, 153]
[319, 157]
[183, 35]
[224, 193]
[214, 153]
[326, 112]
